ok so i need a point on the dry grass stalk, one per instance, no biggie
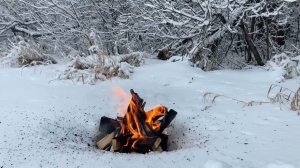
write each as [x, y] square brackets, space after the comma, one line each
[211, 98]
[279, 94]
[295, 103]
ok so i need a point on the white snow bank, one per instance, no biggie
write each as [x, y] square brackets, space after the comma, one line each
[52, 124]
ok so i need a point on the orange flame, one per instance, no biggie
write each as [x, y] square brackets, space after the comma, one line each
[137, 122]
[153, 115]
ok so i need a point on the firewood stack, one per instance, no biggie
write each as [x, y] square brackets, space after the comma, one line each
[138, 131]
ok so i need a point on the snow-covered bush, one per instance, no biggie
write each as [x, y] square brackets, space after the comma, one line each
[23, 54]
[292, 68]
[95, 67]
[287, 66]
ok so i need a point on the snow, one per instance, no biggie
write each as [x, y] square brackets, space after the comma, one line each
[215, 164]
[279, 165]
[50, 123]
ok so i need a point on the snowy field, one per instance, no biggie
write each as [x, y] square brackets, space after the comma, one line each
[50, 123]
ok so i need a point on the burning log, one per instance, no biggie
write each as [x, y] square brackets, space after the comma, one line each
[138, 131]
[116, 145]
[106, 141]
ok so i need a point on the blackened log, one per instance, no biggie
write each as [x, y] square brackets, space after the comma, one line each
[121, 141]
[99, 136]
[108, 125]
[127, 143]
[164, 142]
[168, 118]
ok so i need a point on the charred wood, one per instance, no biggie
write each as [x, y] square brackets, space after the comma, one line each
[108, 125]
[167, 119]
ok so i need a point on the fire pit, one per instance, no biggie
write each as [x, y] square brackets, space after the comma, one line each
[138, 131]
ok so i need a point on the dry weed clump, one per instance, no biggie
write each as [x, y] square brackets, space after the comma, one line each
[23, 54]
[285, 96]
[30, 57]
[93, 68]
[295, 103]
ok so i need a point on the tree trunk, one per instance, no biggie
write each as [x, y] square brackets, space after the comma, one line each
[251, 45]
[249, 55]
[267, 21]
[298, 31]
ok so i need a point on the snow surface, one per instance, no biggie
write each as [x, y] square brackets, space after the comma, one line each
[50, 123]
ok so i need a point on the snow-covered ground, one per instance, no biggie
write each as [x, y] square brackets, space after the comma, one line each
[49, 123]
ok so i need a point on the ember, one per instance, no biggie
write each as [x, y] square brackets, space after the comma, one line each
[138, 131]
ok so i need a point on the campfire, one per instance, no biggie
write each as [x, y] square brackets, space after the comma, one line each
[137, 131]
